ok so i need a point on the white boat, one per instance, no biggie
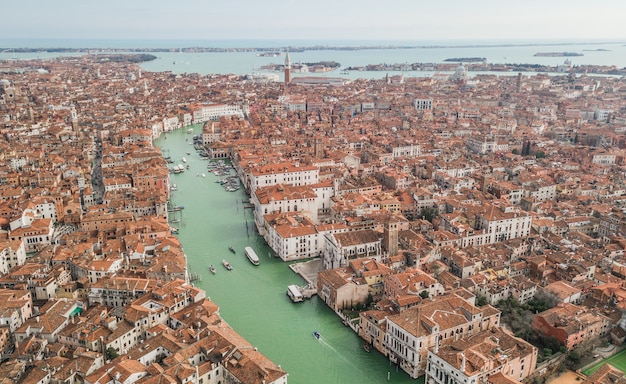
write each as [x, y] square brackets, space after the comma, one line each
[190, 130]
[252, 256]
[203, 175]
[173, 187]
[294, 294]
[227, 265]
[184, 160]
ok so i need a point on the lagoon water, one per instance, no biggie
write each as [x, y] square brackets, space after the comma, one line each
[252, 298]
[241, 63]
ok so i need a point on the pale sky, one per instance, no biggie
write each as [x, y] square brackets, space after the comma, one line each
[414, 20]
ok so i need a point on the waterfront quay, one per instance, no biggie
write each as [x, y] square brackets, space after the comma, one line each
[308, 270]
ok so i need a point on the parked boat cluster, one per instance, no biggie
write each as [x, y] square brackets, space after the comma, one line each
[220, 168]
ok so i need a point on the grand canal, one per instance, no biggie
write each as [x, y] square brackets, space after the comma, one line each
[252, 299]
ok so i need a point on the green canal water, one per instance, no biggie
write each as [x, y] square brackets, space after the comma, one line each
[252, 299]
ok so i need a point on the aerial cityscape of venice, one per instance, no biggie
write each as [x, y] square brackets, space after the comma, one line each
[230, 194]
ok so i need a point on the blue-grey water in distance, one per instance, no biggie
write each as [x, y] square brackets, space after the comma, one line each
[606, 53]
[252, 299]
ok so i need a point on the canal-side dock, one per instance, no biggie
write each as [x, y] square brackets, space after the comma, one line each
[308, 271]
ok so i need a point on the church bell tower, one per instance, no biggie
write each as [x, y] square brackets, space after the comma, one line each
[287, 68]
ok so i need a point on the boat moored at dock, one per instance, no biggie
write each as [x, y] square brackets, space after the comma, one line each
[298, 294]
[294, 294]
[252, 256]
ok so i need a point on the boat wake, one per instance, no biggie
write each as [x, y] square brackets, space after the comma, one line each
[338, 353]
[322, 341]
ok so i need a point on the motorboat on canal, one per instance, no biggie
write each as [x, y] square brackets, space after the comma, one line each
[316, 334]
[212, 269]
[231, 249]
[252, 256]
[227, 265]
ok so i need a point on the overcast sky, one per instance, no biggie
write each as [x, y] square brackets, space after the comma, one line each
[314, 19]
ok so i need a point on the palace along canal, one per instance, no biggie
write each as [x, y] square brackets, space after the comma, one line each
[252, 298]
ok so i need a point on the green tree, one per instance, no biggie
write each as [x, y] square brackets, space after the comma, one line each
[573, 359]
[424, 294]
[481, 301]
[111, 353]
[428, 213]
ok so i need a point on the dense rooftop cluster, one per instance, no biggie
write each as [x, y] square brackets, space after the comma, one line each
[429, 201]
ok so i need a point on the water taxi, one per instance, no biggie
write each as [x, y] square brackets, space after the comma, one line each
[227, 265]
[252, 256]
[212, 269]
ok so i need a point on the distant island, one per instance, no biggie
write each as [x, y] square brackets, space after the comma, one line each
[490, 67]
[597, 50]
[125, 58]
[558, 54]
[467, 59]
[269, 54]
